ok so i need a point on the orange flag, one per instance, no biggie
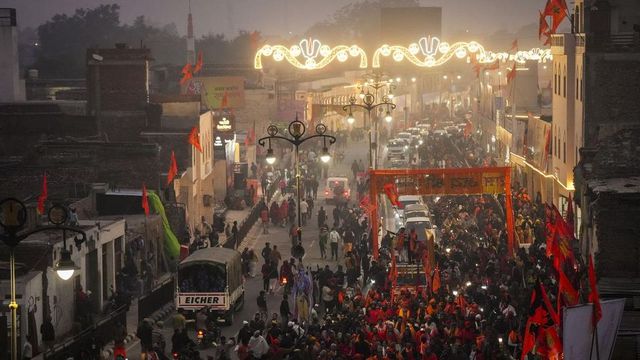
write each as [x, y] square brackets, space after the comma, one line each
[543, 26]
[145, 200]
[173, 168]
[565, 288]
[436, 280]
[199, 63]
[558, 10]
[44, 194]
[594, 297]
[194, 138]
[225, 101]
[392, 194]
[187, 74]
[511, 75]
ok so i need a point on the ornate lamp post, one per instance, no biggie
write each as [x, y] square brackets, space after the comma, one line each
[297, 130]
[13, 217]
[369, 102]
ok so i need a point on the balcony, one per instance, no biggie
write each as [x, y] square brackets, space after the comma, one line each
[563, 44]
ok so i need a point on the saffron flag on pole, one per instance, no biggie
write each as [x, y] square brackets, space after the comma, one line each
[194, 138]
[543, 26]
[392, 194]
[173, 168]
[225, 101]
[594, 297]
[145, 200]
[44, 194]
[558, 10]
[514, 45]
[199, 63]
[566, 289]
[187, 74]
[436, 280]
[511, 75]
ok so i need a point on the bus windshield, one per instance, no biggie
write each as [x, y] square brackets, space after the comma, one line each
[202, 278]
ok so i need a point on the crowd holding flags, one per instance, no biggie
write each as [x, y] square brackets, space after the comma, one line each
[544, 323]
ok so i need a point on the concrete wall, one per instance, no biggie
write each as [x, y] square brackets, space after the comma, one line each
[11, 88]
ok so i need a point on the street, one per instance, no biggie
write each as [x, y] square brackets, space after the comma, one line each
[279, 237]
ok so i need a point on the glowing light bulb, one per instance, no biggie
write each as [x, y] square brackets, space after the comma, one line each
[388, 118]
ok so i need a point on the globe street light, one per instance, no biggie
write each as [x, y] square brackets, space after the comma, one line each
[350, 119]
[13, 217]
[368, 104]
[297, 130]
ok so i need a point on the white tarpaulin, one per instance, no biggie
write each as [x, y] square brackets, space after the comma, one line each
[577, 330]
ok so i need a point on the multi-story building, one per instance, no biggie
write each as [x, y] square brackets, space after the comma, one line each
[596, 121]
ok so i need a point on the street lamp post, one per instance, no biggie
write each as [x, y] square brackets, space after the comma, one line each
[13, 217]
[369, 104]
[297, 130]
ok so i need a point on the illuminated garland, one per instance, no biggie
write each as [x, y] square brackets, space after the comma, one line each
[313, 53]
[431, 52]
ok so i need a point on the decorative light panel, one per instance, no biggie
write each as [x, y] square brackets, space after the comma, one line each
[431, 51]
[310, 54]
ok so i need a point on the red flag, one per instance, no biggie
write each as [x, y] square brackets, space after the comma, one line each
[511, 75]
[392, 194]
[594, 297]
[468, 129]
[514, 45]
[566, 289]
[44, 194]
[145, 200]
[225, 101]
[199, 63]
[552, 344]
[173, 168]
[250, 138]
[194, 138]
[529, 340]
[543, 26]
[187, 74]
[558, 10]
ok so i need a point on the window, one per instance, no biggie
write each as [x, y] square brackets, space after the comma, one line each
[564, 83]
[581, 90]
[577, 91]
[564, 152]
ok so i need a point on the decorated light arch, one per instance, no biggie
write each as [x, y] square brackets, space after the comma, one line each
[431, 52]
[310, 54]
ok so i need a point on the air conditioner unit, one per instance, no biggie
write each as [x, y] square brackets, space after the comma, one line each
[207, 200]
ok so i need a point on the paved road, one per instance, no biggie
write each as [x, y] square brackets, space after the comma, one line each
[280, 238]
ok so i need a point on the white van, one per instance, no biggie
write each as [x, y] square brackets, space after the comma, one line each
[333, 184]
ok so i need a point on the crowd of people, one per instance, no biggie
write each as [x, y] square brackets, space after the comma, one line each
[472, 303]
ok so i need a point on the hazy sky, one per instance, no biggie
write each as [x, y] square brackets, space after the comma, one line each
[278, 17]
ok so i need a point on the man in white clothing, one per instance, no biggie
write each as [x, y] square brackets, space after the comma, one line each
[334, 239]
[304, 209]
[258, 346]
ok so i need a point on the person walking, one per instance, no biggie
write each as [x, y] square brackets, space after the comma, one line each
[285, 311]
[275, 256]
[262, 304]
[266, 273]
[334, 239]
[304, 209]
[264, 216]
[234, 233]
[322, 217]
[266, 252]
[322, 241]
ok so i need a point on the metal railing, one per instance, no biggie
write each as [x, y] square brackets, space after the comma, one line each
[245, 226]
[91, 340]
[161, 295]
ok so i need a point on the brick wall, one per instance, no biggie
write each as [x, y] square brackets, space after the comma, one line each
[611, 94]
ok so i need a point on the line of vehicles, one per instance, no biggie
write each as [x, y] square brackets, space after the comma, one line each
[404, 146]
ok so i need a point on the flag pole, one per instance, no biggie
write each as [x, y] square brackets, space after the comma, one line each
[594, 339]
